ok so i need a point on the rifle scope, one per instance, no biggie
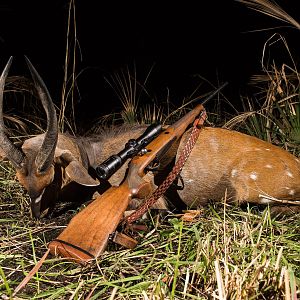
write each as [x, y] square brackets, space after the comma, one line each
[132, 148]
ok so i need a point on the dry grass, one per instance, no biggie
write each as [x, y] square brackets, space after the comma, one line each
[221, 252]
[271, 9]
[23, 113]
[273, 113]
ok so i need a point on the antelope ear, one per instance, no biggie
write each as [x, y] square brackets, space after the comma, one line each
[3, 156]
[79, 174]
[74, 168]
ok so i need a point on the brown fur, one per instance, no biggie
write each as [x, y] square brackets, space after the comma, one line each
[246, 168]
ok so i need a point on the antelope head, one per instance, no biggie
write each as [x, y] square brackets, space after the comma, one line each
[34, 164]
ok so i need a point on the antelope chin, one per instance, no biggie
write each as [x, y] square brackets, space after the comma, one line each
[36, 206]
[35, 209]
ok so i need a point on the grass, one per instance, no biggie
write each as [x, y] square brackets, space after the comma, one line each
[220, 252]
[273, 113]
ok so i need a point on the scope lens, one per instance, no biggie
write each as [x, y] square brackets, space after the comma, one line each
[102, 171]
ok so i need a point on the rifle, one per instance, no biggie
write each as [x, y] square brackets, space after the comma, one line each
[88, 233]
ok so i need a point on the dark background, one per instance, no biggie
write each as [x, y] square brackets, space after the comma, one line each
[207, 38]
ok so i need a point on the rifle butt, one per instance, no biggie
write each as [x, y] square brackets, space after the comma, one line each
[88, 233]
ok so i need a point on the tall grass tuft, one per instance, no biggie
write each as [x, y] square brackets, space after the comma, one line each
[66, 119]
[273, 113]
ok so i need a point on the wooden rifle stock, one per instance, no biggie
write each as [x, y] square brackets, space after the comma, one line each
[88, 233]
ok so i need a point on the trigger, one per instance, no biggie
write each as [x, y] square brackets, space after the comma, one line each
[154, 166]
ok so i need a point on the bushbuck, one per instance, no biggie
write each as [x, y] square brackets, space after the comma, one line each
[243, 167]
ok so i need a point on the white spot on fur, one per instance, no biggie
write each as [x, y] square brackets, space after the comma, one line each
[288, 173]
[234, 172]
[253, 176]
[268, 149]
[269, 166]
[292, 192]
[189, 180]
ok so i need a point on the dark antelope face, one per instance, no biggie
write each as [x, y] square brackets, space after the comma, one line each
[33, 163]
